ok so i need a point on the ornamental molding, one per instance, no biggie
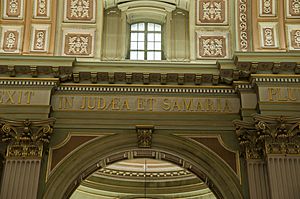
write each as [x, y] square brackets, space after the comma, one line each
[266, 135]
[134, 89]
[144, 136]
[225, 72]
[181, 174]
[26, 138]
[243, 25]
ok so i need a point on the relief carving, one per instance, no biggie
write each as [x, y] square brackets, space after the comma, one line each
[211, 11]
[26, 138]
[268, 34]
[294, 7]
[10, 41]
[295, 36]
[267, 7]
[42, 8]
[268, 135]
[78, 44]
[212, 46]
[243, 25]
[144, 136]
[39, 39]
[80, 10]
[13, 8]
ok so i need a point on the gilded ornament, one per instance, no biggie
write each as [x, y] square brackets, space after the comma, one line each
[268, 135]
[26, 138]
[144, 136]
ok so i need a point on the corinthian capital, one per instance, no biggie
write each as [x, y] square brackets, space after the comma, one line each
[269, 135]
[26, 138]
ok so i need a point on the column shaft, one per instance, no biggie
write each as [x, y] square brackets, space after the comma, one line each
[20, 179]
[284, 176]
[258, 179]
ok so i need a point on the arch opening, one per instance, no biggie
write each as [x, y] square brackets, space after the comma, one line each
[142, 178]
[109, 150]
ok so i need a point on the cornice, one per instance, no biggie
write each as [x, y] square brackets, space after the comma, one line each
[216, 72]
[149, 89]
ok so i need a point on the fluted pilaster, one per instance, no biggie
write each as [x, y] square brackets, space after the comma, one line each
[258, 179]
[25, 143]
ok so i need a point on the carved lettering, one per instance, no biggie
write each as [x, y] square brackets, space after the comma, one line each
[283, 94]
[66, 102]
[15, 97]
[147, 104]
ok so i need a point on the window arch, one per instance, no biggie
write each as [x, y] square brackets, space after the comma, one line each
[145, 41]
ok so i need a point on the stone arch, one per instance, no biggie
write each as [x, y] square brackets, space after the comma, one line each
[185, 153]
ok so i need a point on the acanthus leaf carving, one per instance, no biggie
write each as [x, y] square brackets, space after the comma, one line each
[144, 136]
[26, 138]
[268, 135]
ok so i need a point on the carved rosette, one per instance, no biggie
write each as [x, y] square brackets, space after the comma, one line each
[144, 136]
[26, 138]
[268, 135]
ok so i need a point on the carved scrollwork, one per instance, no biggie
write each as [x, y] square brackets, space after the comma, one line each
[269, 135]
[26, 138]
[144, 135]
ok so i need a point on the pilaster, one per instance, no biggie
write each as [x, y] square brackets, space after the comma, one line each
[271, 145]
[26, 141]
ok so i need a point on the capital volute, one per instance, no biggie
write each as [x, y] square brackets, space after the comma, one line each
[26, 138]
[268, 135]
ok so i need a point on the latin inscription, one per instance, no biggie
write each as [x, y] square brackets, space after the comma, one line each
[145, 104]
[278, 94]
[16, 97]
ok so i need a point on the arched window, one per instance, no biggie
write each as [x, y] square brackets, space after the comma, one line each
[145, 41]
